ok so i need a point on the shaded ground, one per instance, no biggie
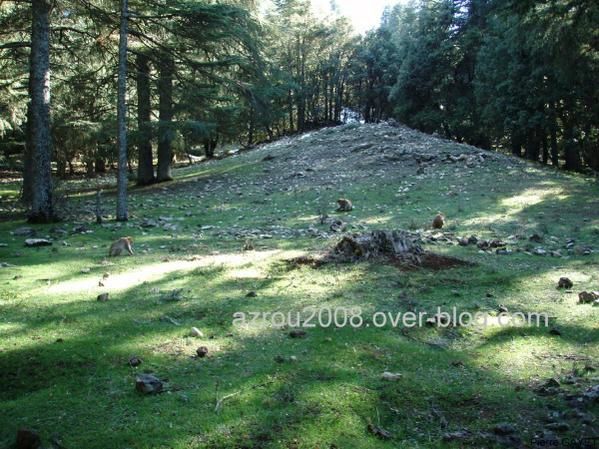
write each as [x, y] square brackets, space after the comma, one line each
[222, 234]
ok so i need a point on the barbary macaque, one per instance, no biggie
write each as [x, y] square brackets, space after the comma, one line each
[439, 222]
[345, 205]
[122, 244]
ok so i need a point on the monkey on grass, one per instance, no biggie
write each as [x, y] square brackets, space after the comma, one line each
[345, 205]
[122, 244]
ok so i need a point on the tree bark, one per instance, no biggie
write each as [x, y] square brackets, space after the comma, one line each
[165, 90]
[38, 174]
[121, 207]
[145, 167]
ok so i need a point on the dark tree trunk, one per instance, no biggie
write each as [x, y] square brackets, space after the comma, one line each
[145, 167]
[554, 147]
[210, 147]
[516, 145]
[122, 179]
[165, 138]
[100, 165]
[27, 194]
[39, 172]
[545, 149]
[572, 150]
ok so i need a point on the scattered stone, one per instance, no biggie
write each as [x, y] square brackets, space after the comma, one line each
[24, 231]
[338, 226]
[28, 439]
[379, 432]
[148, 384]
[135, 361]
[202, 352]
[149, 223]
[464, 241]
[196, 333]
[558, 426]
[504, 429]
[457, 435]
[539, 251]
[588, 297]
[536, 238]
[472, 240]
[172, 296]
[104, 297]
[592, 394]
[32, 243]
[565, 282]
[298, 333]
[391, 377]
[552, 383]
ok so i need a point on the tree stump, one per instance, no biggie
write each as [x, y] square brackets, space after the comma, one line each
[398, 245]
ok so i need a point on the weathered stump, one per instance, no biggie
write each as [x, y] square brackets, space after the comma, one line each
[398, 245]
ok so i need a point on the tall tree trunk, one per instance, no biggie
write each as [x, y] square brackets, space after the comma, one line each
[39, 172]
[545, 149]
[145, 167]
[165, 90]
[554, 147]
[571, 149]
[27, 193]
[121, 204]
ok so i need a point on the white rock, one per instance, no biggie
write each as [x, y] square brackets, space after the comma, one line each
[391, 377]
[195, 332]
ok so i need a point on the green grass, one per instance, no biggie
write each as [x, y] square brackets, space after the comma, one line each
[63, 355]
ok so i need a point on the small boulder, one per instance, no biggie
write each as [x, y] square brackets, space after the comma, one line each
[195, 332]
[391, 377]
[504, 429]
[24, 231]
[148, 384]
[134, 361]
[104, 297]
[298, 333]
[32, 243]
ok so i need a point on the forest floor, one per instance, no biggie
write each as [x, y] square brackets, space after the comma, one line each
[218, 240]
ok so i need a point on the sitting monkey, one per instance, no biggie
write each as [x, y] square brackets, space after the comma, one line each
[439, 222]
[345, 205]
[122, 244]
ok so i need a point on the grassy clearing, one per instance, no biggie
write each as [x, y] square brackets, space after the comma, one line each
[63, 355]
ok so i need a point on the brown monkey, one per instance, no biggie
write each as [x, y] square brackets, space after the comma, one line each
[345, 205]
[122, 244]
[439, 222]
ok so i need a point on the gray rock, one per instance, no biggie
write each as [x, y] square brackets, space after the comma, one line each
[32, 243]
[24, 231]
[148, 384]
[504, 429]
